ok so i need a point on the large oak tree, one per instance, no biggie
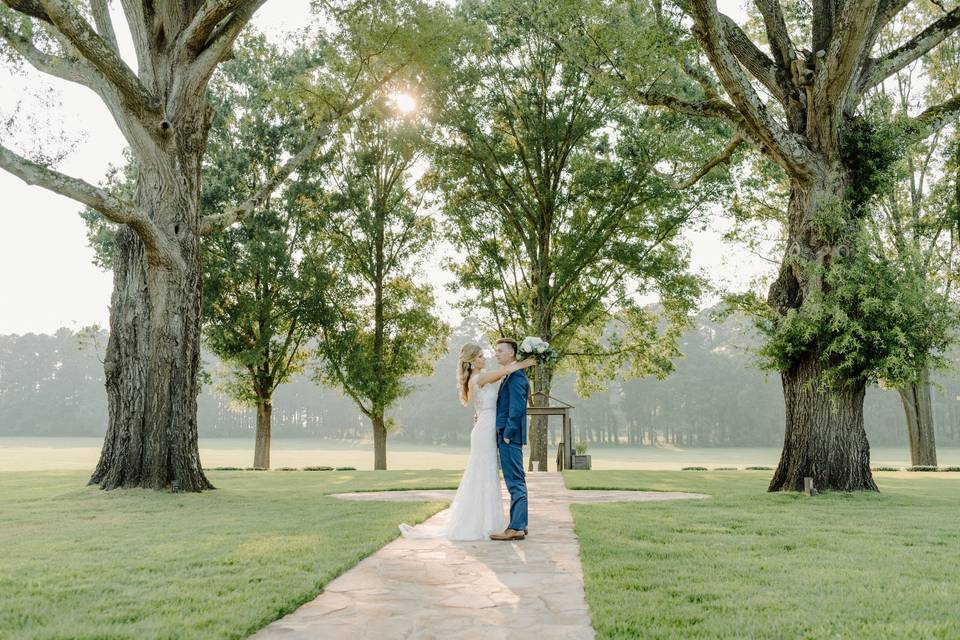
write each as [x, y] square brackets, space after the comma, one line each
[800, 103]
[163, 111]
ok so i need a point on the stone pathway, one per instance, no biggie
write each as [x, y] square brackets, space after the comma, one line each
[484, 590]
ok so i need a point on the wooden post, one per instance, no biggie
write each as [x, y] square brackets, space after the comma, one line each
[808, 486]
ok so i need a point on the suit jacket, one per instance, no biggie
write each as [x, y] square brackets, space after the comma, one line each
[512, 407]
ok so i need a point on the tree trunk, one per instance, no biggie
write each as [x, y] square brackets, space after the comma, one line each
[537, 428]
[824, 435]
[825, 438]
[261, 450]
[153, 353]
[379, 442]
[918, 408]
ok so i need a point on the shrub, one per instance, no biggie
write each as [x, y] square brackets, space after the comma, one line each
[318, 468]
[225, 469]
[695, 469]
[725, 469]
[949, 468]
[346, 469]
[921, 468]
[886, 468]
[759, 468]
[286, 469]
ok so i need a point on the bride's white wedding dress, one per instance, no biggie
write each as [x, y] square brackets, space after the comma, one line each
[477, 508]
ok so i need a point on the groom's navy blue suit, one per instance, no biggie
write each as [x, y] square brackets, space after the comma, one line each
[511, 436]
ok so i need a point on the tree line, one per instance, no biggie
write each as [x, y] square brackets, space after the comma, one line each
[52, 385]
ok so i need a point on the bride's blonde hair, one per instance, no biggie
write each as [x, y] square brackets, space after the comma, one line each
[468, 353]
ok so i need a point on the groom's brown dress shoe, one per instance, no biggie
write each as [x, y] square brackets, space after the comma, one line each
[509, 534]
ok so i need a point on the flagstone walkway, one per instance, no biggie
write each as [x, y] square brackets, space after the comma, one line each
[484, 590]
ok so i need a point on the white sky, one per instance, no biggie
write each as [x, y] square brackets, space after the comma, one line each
[47, 278]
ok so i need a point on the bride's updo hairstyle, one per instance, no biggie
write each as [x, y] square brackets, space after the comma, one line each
[468, 353]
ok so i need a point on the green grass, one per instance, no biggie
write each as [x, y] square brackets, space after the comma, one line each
[748, 564]
[81, 563]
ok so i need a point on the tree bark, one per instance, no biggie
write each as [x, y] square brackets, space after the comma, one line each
[537, 429]
[825, 438]
[261, 451]
[379, 442]
[918, 408]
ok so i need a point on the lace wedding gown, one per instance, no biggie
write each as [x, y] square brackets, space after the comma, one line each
[477, 508]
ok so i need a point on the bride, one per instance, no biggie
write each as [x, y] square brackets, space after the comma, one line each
[477, 508]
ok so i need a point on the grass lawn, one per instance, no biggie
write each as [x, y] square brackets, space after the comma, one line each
[748, 564]
[80, 563]
[77, 562]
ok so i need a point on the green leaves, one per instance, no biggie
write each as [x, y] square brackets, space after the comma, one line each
[261, 282]
[874, 321]
[557, 190]
[382, 326]
[871, 146]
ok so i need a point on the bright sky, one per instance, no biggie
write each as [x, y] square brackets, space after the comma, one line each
[47, 279]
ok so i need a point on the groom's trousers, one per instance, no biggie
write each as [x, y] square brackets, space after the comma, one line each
[511, 461]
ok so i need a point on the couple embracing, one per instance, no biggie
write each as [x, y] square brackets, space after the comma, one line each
[499, 431]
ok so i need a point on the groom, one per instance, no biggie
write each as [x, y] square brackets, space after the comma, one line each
[511, 436]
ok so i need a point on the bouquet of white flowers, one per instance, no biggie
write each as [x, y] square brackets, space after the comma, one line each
[533, 347]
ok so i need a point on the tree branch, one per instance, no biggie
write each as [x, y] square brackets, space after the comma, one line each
[721, 158]
[32, 8]
[842, 59]
[933, 119]
[157, 247]
[219, 221]
[749, 55]
[788, 150]
[136, 19]
[754, 60]
[878, 69]
[99, 53]
[56, 66]
[219, 43]
[101, 17]
[206, 19]
[780, 45]
[886, 11]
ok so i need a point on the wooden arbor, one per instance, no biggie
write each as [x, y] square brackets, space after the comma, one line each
[559, 408]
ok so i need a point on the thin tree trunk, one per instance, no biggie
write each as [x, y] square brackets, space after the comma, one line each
[379, 425]
[379, 442]
[537, 427]
[918, 408]
[261, 450]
